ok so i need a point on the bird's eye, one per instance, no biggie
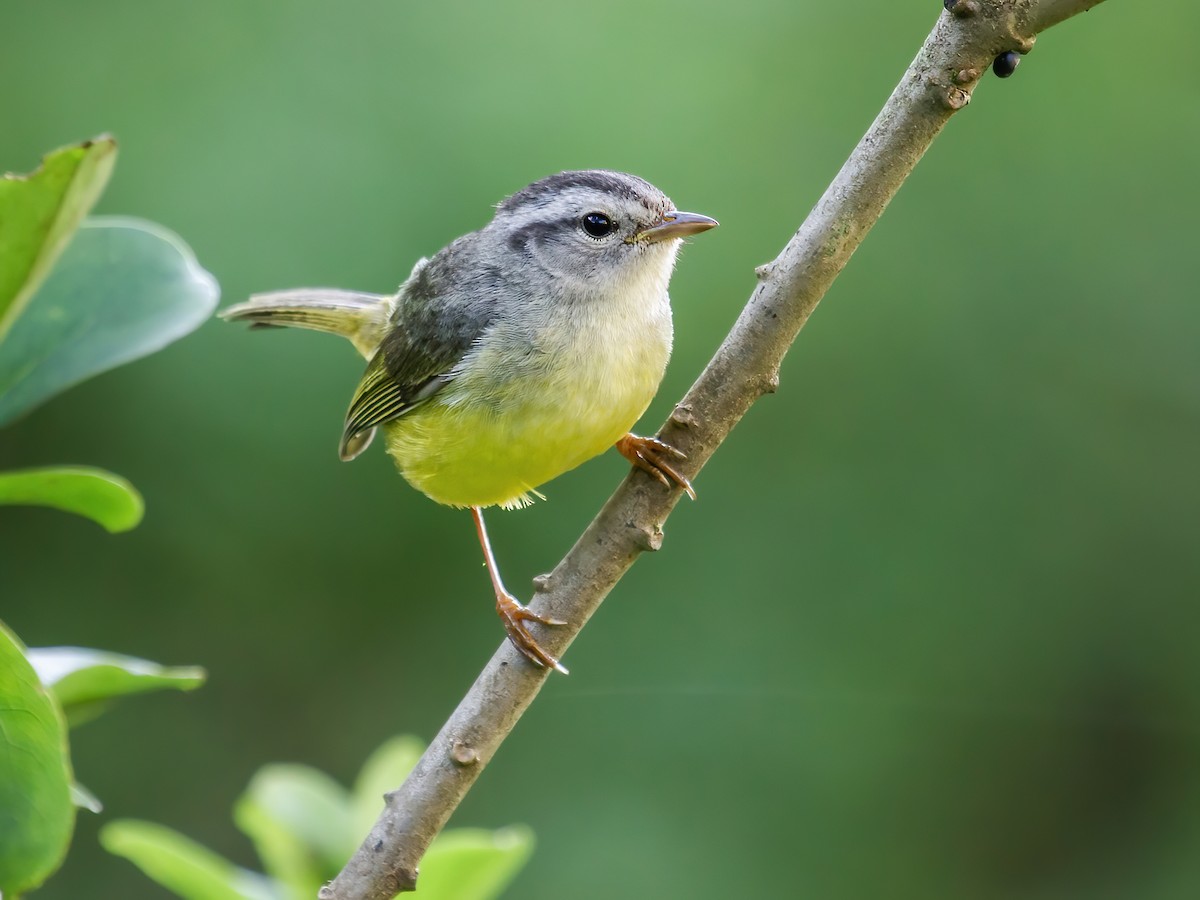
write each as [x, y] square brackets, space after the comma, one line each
[598, 225]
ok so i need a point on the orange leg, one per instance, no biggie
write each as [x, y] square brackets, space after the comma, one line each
[653, 456]
[512, 612]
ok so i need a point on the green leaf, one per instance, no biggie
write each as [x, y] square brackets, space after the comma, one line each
[123, 289]
[299, 819]
[181, 865]
[384, 771]
[85, 680]
[38, 214]
[474, 864]
[36, 813]
[285, 857]
[101, 496]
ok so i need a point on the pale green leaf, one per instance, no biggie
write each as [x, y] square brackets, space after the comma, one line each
[123, 289]
[103, 497]
[84, 680]
[473, 863]
[181, 865]
[38, 214]
[285, 856]
[299, 819]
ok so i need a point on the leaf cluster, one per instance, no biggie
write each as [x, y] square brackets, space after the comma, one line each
[304, 826]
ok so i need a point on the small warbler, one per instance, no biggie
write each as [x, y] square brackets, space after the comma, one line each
[516, 352]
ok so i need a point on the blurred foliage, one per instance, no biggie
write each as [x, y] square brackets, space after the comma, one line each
[929, 630]
[305, 825]
[35, 775]
[42, 691]
[103, 497]
[54, 332]
[86, 681]
[123, 289]
[39, 213]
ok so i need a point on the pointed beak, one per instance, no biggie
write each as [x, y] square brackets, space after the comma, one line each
[675, 225]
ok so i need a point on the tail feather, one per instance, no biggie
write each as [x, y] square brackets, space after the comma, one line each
[359, 317]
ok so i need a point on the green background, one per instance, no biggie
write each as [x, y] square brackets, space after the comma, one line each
[930, 629]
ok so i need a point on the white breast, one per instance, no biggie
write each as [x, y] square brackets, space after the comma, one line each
[615, 350]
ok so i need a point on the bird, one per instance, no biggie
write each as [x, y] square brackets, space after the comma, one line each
[515, 353]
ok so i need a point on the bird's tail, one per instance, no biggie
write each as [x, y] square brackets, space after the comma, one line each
[360, 318]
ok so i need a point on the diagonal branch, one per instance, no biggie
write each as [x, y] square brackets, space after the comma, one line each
[963, 43]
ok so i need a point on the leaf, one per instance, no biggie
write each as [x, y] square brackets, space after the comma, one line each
[384, 771]
[36, 813]
[302, 823]
[285, 857]
[38, 214]
[299, 819]
[82, 798]
[123, 289]
[473, 863]
[181, 865]
[85, 680]
[101, 496]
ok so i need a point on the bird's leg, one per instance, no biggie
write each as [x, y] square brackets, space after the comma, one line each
[653, 455]
[512, 612]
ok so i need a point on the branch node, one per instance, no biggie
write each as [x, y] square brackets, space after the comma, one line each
[390, 798]
[401, 878]
[961, 9]
[956, 98]
[543, 583]
[768, 382]
[763, 272]
[966, 76]
[683, 416]
[649, 537]
[463, 754]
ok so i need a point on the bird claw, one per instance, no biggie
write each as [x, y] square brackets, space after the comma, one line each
[651, 455]
[514, 615]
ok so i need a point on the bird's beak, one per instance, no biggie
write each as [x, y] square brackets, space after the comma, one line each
[675, 225]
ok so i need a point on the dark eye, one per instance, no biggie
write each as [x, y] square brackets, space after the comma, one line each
[598, 225]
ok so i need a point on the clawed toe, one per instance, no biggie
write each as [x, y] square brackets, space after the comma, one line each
[651, 456]
[514, 615]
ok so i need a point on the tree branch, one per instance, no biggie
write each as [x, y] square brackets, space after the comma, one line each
[963, 43]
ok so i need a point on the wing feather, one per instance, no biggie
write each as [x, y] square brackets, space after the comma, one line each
[438, 315]
[378, 399]
[399, 378]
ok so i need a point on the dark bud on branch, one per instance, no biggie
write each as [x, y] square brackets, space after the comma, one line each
[1006, 63]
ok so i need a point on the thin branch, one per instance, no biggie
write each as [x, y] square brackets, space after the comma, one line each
[961, 47]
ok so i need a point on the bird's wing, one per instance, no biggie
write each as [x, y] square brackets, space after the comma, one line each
[403, 374]
[394, 383]
[440, 313]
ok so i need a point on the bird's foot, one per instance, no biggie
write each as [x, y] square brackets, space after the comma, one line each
[514, 615]
[654, 456]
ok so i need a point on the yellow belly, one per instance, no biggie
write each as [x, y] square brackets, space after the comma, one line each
[492, 436]
[467, 456]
